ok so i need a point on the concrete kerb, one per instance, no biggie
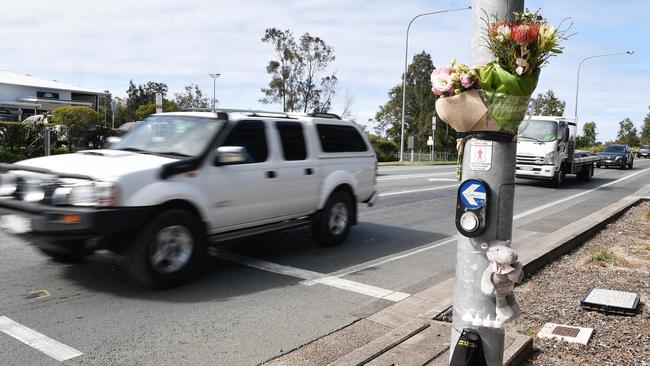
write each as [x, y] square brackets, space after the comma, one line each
[437, 300]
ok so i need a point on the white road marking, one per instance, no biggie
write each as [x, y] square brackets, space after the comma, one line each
[452, 239]
[49, 346]
[551, 204]
[393, 257]
[416, 190]
[410, 176]
[442, 180]
[311, 277]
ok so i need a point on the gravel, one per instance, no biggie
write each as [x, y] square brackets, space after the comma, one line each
[617, 258]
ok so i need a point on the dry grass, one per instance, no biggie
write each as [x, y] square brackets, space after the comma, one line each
[641, 251]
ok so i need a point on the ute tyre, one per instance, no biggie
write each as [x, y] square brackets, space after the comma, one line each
[334, 222]
[169, 250]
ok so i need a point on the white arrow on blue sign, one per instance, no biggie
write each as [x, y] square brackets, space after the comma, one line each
[473, 193]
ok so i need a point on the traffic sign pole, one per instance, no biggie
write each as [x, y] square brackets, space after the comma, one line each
[489, 158]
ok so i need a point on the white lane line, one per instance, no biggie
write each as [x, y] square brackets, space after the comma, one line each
[442, 180]
[551, 204]
[393, 257]
[311, 277]
[410, 176]
[49, 346]
[452, 239]
[416, 190]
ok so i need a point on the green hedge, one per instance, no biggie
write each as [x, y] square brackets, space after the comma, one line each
[20, 141]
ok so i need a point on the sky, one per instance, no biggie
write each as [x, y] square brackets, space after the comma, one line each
[102, 45]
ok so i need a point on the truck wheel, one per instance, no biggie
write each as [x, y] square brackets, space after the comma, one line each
[168, 251]
[64, 252]
[586, 173]
[558, 180]
[333, 224]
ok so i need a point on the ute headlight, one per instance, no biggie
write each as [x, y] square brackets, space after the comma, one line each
[618, 158]
[469, 221]
[32, 190]
[8, 184]
[87, 194]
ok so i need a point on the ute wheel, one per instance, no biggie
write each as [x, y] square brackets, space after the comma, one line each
[169, 250]
[333, 223]
[64, 252]
[558, 180]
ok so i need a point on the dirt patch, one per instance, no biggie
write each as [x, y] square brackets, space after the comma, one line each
[617, 258]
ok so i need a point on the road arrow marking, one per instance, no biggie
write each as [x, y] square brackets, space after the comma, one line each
[470, 194]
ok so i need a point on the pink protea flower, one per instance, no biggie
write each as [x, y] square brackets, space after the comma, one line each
[523, 34]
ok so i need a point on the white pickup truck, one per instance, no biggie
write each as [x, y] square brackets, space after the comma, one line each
[180, 181]
[546, 150]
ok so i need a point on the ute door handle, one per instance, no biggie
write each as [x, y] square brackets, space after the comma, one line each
[270, 174]
[309, 171]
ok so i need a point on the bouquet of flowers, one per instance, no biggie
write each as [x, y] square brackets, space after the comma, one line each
[521, 47]
[494, 97]
[460, 104]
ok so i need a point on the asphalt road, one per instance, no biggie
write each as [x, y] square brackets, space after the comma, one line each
[266, 295]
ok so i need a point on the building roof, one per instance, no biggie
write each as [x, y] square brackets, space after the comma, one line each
[8, 77]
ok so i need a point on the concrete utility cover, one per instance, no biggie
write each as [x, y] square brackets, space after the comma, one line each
[611, 301]
[564, 332]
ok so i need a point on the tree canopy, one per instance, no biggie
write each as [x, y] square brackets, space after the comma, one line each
[589, 135]
[627, 133]
[299, 78]
[645, 130]
[420, 109]
[191, 97]
[547, 104]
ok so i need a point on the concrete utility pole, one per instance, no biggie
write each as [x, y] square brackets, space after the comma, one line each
[490, 158]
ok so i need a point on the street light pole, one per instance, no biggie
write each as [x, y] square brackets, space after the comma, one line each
[214, 89]
[575, 114]
[406, 55]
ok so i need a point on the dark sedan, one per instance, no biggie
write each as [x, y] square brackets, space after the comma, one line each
[616, 155]
[644, 152]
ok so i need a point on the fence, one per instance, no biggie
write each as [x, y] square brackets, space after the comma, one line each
[439, 156]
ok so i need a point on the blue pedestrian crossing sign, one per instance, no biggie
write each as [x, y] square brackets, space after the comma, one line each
[473, 193]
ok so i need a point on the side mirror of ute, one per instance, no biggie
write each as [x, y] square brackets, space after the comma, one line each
[228, 155]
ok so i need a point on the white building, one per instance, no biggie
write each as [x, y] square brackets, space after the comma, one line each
[24, 95]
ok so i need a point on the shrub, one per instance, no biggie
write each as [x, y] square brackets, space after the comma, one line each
[7, 156]
[386, 150]
[75, 123]
[23, 139]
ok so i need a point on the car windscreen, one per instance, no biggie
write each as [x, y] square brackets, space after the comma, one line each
[539, 130]
[615, 149]
[171, 135]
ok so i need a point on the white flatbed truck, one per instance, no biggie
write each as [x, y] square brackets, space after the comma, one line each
[546, 151]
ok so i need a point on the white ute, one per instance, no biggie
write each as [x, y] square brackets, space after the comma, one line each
[180, 181]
